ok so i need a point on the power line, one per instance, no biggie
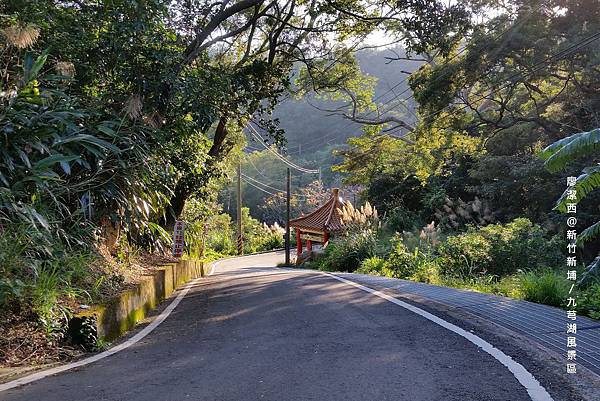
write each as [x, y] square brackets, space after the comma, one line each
[248, 180]
[535, 68]
[261, 183]
[259, 188]
[259, 171]
[289, 163]
[256, 168]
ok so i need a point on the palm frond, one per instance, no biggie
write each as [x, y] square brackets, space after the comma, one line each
[589, 233]
[588, 181]
[591, 271]
[561, 152]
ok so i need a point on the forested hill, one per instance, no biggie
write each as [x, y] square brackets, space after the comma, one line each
[309, 129]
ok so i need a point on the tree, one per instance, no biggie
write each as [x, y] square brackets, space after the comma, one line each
[512, 84]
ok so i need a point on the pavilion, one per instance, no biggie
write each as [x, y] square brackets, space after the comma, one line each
[318, 225]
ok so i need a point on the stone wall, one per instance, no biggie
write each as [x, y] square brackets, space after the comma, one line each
[121, 314]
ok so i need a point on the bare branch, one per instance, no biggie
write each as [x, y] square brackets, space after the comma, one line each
[194, 48]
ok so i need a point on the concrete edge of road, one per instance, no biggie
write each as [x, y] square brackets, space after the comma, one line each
[182, 292]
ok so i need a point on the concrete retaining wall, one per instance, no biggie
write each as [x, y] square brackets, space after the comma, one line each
[109, 321]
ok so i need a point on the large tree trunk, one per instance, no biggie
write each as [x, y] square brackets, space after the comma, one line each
[217, 146]
[177, 205]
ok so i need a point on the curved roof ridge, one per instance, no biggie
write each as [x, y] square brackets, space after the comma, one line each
[336, 200]
[323, 218]
[323, 206]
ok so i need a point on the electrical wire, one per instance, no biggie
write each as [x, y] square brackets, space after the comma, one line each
[248, 180]
[256, 168]
[538, 66]
[289, 163]
[261, 183]
[535, 68]
[259, 188]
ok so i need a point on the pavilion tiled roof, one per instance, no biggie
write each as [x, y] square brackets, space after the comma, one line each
[325, 218]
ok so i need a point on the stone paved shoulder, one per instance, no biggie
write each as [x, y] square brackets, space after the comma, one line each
[544, 324]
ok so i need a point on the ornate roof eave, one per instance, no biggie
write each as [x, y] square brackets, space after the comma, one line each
[324, 219]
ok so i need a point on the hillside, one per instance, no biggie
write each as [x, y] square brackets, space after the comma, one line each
[309, 129]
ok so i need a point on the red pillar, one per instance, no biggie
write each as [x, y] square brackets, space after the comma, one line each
[325, 238]
[309, 245]
[298, 242]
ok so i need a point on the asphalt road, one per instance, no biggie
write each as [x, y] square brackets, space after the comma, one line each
[252, 332]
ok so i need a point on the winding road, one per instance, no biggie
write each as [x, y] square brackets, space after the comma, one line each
[254, 332]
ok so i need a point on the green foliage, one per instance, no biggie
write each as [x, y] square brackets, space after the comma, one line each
[400, 219]
[347, 253]
[401, 262]
[499, 250]
[547, 287]
[558, 154]
[44, 298]
[506, 286]
[373, 265]
[272, 240]
[588, 301]
[420, 264]
[211, 233]
[12, 291]
[522, 174]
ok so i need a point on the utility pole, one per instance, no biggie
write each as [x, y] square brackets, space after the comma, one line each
[240, 237]
[287, 223]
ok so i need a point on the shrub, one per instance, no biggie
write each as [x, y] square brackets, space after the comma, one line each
[500, 250]
[347, 253]
[545, 287]
[426, 268]
[417, 265]
[588, 302]
[465, 254]
[400, 263]
[400, 219]
[271, 240]
[12, 291]
[374, 265]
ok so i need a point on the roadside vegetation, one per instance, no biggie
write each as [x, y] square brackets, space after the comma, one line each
[118, 118]
[518, 260]
[468, 173]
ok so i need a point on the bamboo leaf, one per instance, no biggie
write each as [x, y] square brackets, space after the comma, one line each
[51, 160]
[91, 140]
[591, 271]
[39, 63]
[66, 167]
